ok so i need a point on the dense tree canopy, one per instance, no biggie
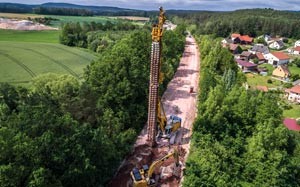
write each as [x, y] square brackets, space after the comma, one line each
[63, 132]
[253, 22]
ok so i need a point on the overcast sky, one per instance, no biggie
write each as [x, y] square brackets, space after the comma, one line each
[180, 4]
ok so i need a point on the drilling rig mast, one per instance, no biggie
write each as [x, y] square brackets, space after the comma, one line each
[155, 77]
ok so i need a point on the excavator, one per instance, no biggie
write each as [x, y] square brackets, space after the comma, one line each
[158, 124]
[143, 177]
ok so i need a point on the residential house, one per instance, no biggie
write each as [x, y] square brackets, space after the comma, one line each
[277, 44]
[261, 48]
[282, 72]
[235, 48]
[245, 39]
[242, 39]
[246, 66]
[267, 38]
[294, 94]
[235, 38]
[260, 57]
[277, 58]
[226, 41]
[297, 43]
[296, 50]
[246, 55]
[296, 82]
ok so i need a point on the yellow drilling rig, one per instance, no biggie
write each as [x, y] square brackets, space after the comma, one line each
[158, 124]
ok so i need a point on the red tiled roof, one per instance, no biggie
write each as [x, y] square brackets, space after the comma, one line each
[235, 35]
[295, 89]
[291, 124]
[262, 88]
[246, 38]
[297, 48]
[280, 55]
[260, 56]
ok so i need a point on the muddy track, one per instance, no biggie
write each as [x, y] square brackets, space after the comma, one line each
[29, 71]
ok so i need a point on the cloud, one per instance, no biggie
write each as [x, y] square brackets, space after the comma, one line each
[179, 4]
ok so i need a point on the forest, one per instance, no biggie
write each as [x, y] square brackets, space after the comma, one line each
[66, 132]
[254, 22]
[238, 137]
[62, 11]
[95, 36]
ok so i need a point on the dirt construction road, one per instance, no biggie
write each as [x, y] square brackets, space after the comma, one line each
[176, 100]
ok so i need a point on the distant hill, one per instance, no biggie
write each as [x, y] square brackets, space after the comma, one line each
[91, 8]
[60, 7]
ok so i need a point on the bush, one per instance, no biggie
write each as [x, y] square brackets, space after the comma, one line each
[287, 85]
[269, 81]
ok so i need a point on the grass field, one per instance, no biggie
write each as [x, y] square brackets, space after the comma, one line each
[258, 80]
[294, 69]
[292, 113]
[21, 61]
[19, 16]
[80, 19]
[29, 36]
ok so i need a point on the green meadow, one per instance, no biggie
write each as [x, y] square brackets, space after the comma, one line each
[26, 54]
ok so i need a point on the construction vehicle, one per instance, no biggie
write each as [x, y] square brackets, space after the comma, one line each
[144, 177]
[158, 125]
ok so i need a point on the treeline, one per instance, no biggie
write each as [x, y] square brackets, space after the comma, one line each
[63, 132]
[43, 20]
[62, 11]
[238, 136]
[253, 22]
[83, 35]
[72, 10]
[15, 8]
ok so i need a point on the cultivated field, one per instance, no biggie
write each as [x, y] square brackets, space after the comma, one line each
[19, 16]
[29, 36]
[21, 61]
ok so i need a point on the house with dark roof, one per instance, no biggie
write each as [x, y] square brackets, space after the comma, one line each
[282, 72]
[277, 58]
[246, 66]
[259, 48]
[246, 55]
[226, 41]
[277, 44]
[235, 48]
[293, 93]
